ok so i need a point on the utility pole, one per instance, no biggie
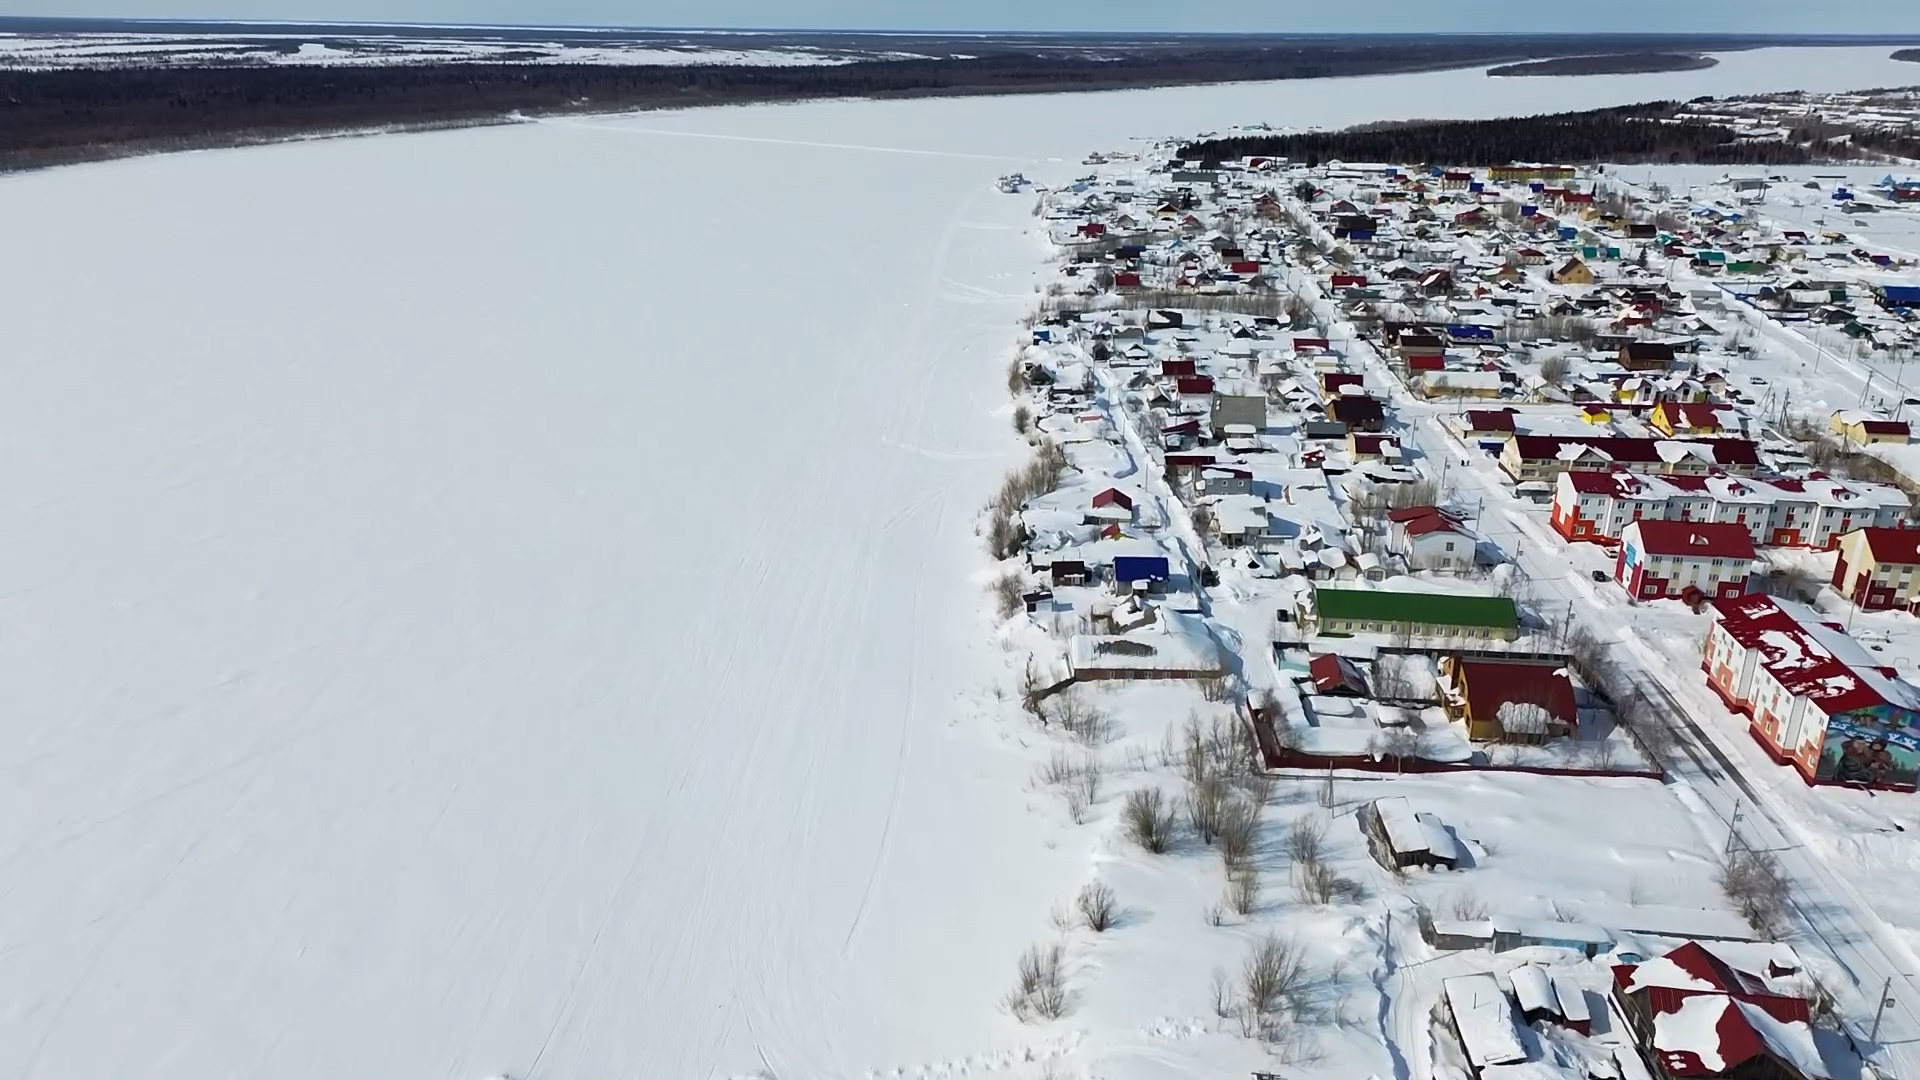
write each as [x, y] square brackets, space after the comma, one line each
[1733, 826]
[1886, 999]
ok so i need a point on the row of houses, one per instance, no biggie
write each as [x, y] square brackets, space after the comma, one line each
[1814, 512]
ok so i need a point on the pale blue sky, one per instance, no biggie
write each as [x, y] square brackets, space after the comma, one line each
[1718, 16]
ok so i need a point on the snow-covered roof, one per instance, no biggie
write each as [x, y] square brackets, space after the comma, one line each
[1532, 989]
[1484, 1017]
[1174, 642]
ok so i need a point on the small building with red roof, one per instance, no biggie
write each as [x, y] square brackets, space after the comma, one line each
[1735, 1010]
[1813, 697]
[1879, 569]
[1510, 701]
[1665, 559]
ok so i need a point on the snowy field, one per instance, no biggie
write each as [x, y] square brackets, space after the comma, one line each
[506, 600]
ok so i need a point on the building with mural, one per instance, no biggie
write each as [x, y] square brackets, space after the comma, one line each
[1814, 698]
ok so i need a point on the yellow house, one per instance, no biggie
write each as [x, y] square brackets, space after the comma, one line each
[1677, 419]
[1595, 413]
[1572, 272]
[1879, 568]
[1865, 429]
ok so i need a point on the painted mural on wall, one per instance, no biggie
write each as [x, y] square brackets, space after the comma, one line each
[1871, 748]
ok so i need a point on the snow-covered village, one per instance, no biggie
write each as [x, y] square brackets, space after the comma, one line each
[1476, 563]
[1134, 544]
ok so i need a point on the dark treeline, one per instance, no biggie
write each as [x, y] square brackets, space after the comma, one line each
[55, 117]
[1616, 64]
[1909, 55]
[1626, 135]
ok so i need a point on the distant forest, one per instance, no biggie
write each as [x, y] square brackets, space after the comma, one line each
[1909, 55]
[62, 116]
[1615, 64]
[1628, 135]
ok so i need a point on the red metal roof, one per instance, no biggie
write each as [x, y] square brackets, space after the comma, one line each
[1490, 420]
[1491, 684]
[1694, 539]
[1898, 547]
[1620, 448]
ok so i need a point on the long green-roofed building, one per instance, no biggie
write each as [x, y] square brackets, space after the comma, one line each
[1367, 611]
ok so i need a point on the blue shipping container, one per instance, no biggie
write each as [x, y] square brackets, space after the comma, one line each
[1140, 568]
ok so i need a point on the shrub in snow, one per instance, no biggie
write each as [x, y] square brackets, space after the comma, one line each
[1149, 820]
[1097, 907]
[1041, 990]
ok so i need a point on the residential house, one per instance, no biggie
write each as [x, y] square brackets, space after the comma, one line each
[1110, 506]
[1879, 568]
[1358, 413]
[1721, 1011]
[1242, 408]
[1488, 428]
[1865, 429]
[1400, 838]
[1646, 356]
[1430, 539]
[1572, 272]
[1517, 701]
[1329, 610]
[1364, 448]
[1814, 698]
[1545, 457]
[1675, 418]
[1777, 512]
[1678, 559]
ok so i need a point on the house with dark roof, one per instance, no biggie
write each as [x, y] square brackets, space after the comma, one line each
[1813, 697]
[1866, 429]
[1879, 569]
[1685, 560]
[1646, 356]
[1545, 457]
[1358, 413]
[1733, 1010]
[1510, 701]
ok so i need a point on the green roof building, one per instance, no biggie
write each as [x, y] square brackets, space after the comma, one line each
[1361, 611]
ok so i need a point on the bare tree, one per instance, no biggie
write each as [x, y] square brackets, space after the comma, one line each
[1468, 907]
[1274, 978]
[1220, 994]
[1207, 803]
[1243, 890]
[1008, 595]
[1754, 882]
[1306, 839]
[1235, 838]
